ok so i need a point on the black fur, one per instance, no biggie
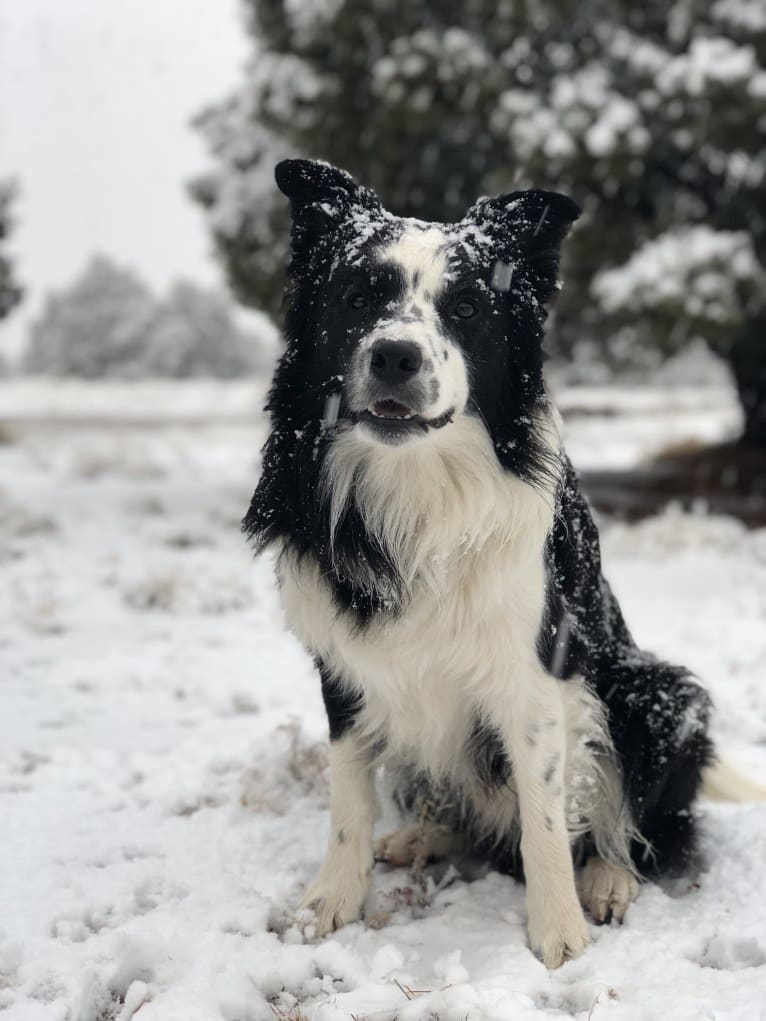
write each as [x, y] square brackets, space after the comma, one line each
[658, 716]
[341, 709]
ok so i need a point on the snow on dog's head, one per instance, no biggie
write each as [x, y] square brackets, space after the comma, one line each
[400, 327]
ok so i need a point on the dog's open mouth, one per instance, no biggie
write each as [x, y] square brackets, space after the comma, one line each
[395, 418]
[391, 409]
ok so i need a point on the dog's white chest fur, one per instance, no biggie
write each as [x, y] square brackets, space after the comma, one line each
[469, 540]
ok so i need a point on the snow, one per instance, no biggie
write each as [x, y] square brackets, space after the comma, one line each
[715, 61]
[641, 422]
[747, 14]
[699, 269]
[163, 773]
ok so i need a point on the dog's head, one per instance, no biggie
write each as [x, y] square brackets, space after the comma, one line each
[400, 327]
[404, 339]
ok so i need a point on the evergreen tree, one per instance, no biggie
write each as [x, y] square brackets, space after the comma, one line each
[10, 291]
[109, 324]
[651, 115]
[95, 328]
[195, 335]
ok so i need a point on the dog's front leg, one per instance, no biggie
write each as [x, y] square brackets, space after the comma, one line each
[534, 728]
[341, 885]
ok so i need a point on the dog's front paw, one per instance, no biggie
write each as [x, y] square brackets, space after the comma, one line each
[336, 897]
[556, 936]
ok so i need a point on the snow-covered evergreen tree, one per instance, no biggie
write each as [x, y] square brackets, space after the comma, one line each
[108, 323]
[195, 335]
[95, 328]
[652, 115]
[10, 290]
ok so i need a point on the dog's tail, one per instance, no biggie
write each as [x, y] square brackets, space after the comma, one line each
[723, 782]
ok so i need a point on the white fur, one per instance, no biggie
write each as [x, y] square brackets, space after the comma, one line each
[420, 249]
[468, 539]
[721, 781]
[341, 885]
[420, 254]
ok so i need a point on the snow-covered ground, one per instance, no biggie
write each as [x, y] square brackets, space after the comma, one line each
[163, 784]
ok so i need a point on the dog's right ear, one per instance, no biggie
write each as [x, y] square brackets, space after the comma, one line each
[308, 181]
[322, 198]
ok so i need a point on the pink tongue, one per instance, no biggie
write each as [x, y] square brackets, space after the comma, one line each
[391, 409]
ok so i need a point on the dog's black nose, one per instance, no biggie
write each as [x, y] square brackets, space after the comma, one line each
[394, 361]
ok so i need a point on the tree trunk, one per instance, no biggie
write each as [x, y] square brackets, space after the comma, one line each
[747, 357]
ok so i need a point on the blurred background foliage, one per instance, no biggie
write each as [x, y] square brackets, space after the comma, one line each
[10, 289]
[652, 116]
[109, 323]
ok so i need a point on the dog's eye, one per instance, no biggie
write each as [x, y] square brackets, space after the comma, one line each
[465, 309]
[355, 299]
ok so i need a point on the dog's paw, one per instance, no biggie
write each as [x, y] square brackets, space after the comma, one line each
[606, 890]
[332, 908]
[336, 897]
[416, 844]
[558, 936]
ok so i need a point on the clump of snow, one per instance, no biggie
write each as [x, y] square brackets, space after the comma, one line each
[707, 61]
[747, 14]
[18, 522]
[698, 268]
[411, 66]
[584, 107]
[295, 768]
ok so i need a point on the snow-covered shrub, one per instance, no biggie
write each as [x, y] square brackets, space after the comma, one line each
[696, 277]
[194, 334]
[95, 328]
[109, 324]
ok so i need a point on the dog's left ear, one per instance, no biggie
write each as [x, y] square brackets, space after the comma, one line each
[530, 227]
[322, 197]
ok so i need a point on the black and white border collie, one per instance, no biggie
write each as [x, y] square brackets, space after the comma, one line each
[436, 557]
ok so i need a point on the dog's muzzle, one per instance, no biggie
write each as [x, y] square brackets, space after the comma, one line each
[390, 396]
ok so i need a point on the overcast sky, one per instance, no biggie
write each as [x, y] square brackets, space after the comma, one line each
[95, 103]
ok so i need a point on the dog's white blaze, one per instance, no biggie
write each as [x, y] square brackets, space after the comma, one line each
[469, 540]
[421, 255]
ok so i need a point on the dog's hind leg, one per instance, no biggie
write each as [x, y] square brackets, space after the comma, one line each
[658, 719]
[606, 890]
[419, 843]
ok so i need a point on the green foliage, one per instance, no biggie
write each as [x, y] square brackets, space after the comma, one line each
[651, 115]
